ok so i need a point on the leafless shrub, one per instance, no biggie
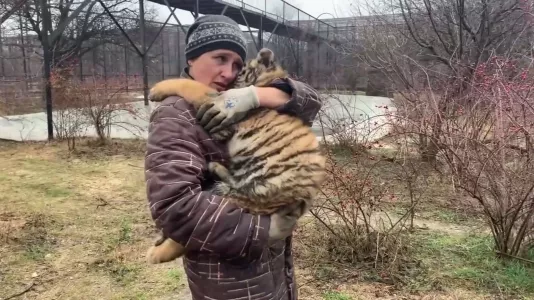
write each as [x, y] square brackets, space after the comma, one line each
[352, 222]
[464, 97]
[482, 139]
[68, 117]
[489, 150]
[429, 50]
[104, 108]
[95, 102]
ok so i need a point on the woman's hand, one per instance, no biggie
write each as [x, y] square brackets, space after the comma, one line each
[229, 107]
[284, 221]
[232, 106]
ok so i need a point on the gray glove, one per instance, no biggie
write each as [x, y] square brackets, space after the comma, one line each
[229, 107]
[284, 220]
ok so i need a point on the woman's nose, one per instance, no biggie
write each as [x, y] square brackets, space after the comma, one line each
[227, 72]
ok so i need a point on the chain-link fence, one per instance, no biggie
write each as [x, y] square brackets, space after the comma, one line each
[104, 51]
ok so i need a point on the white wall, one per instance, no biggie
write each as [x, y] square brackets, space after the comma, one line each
[32, 127]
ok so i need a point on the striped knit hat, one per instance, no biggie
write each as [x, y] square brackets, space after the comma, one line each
[214, 32]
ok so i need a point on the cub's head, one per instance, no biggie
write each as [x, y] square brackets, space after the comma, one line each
[260, 71]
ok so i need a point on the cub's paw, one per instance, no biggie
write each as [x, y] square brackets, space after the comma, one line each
[154, 253]
[164, 253]
[219, 170]
[223, 134]
[152, 257]
[156, 94]
[221, 188]
[213, 166]
[164, 89]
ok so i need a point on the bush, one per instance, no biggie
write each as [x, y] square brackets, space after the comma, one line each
[95, 102]
[351, 226]
[484, 138]
[492, 157]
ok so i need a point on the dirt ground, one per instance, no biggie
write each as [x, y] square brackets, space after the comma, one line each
[77, 226]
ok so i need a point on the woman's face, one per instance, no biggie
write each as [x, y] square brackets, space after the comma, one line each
[217, 68]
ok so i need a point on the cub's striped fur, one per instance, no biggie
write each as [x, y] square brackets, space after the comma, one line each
[274, 158]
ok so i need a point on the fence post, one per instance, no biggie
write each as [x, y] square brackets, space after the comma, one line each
[23, 50]
[318, 68]
[46, 56]
[2, 56]
[143, 51]
[126, 59]
[80, 64]
[298, 43]
[179, 50]
[162, 57]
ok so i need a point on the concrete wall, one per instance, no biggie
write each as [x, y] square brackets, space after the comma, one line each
[32, 127]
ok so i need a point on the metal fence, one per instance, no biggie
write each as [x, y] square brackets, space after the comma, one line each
[21, 57]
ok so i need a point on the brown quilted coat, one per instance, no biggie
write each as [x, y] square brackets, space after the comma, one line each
[228, 257]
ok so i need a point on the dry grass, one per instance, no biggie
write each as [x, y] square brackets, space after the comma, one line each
[76, 226]
[448, 255]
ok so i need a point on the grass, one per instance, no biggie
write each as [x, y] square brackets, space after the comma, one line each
[469, 260]
[336, 296]
[449, 254]
[77, 224]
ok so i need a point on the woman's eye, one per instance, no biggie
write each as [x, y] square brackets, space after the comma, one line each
[221, 59]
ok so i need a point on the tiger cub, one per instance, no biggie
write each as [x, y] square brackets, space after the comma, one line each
[274, 158]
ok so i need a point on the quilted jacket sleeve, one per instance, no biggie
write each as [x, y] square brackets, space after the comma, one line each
[201, 221]
[305, 101]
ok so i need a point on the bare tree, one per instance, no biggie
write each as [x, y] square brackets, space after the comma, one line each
[455, 36]
[436, 45]
[79, 26]
[8, 8]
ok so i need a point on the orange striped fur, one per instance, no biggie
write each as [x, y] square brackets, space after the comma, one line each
[274, 158]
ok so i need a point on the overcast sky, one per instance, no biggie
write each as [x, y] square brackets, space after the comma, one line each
[338, 8]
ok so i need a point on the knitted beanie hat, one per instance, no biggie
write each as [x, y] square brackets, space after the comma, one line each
[214, 32]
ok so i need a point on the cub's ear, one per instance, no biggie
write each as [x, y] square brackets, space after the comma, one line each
[266, 57]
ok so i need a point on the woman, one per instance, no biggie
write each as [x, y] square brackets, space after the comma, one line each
[230, 254]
